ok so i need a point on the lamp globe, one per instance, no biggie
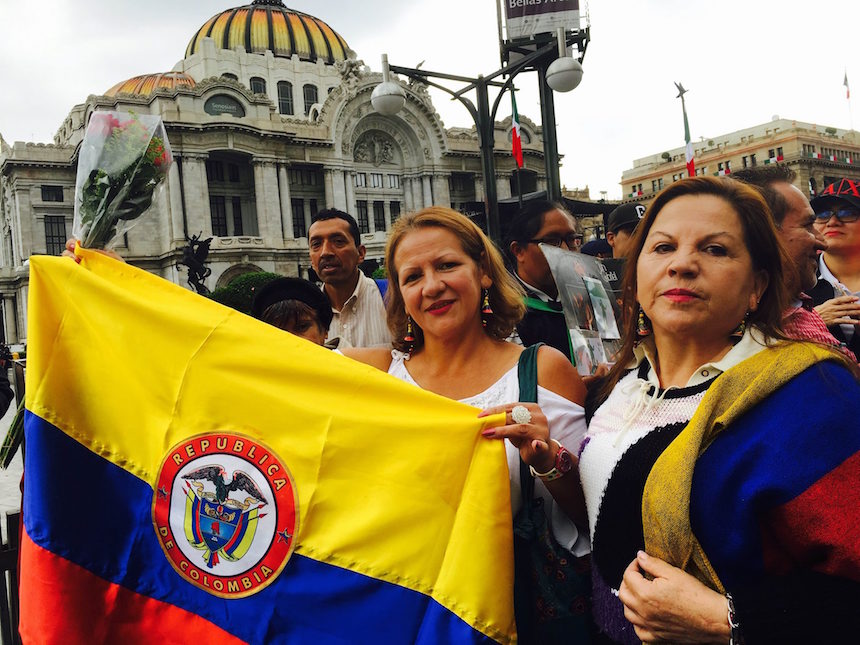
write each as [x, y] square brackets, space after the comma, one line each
[388, 98]
[564, 74]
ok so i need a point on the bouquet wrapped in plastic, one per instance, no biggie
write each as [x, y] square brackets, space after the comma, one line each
[123, 161]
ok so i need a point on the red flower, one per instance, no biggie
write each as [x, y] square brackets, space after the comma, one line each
[102, 124]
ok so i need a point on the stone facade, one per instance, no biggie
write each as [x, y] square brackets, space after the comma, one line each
[818, 154]
[252, 168]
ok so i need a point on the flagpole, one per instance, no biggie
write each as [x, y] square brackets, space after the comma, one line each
[516, 144]
[848, 98]
[688, 151]
[519, 188]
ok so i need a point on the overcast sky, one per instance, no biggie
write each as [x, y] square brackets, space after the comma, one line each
[742, 61]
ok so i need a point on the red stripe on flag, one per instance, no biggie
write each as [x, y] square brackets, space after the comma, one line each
[517, 148]
[62, 602]
[821, 521]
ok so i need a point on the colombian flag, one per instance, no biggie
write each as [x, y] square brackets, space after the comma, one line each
[193, 475]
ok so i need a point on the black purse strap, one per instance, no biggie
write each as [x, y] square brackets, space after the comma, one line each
[527, 373]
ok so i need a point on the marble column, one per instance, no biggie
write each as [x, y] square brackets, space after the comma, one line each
[9, 318]
[174, 198]
[428, 191]
[22, 242]
[386, 208]
[196, 191]
[263, 207]
[408, 204]
[286, 204]
[339, 178]
[441, 190]
[503, 186]
[349, 181]
[371, 217]
[479, 188]
[417, 194]
[329, 188]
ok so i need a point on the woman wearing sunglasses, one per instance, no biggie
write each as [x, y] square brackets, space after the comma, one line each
[837, 295]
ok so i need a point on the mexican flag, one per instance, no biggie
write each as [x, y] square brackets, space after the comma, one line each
[688, 151]
[516, 142]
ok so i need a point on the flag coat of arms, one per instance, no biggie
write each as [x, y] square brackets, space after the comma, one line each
[194, 475]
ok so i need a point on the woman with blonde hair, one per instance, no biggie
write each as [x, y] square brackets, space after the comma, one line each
[451, 306]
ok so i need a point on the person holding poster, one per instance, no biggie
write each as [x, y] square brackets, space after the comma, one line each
[541, 222]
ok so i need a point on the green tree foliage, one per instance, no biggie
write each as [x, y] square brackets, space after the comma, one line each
[239, 294]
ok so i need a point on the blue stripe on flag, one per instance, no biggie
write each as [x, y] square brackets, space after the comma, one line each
[98, 515]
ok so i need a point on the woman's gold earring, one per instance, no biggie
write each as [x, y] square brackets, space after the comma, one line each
[486, 309]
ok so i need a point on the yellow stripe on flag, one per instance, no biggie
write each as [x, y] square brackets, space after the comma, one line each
[392, 481]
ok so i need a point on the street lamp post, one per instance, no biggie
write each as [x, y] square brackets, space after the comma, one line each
[388, 99]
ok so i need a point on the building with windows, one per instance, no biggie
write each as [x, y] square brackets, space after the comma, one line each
[269, 117]
[818, 154]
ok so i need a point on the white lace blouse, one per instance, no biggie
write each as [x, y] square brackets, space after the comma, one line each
[566, 425]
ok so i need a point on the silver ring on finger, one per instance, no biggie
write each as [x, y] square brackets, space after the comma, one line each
[521, 414]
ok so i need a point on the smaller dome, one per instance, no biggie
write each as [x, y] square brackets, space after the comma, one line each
[148, 83]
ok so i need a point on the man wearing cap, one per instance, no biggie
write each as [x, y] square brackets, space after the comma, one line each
[620, 227]
[336, 250]
[597, 248]
[837, 294]
[795, 226]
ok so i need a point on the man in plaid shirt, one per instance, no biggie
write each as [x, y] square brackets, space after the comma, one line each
[794, 219]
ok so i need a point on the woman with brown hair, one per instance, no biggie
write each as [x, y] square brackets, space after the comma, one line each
[451, 306]
[720, 473]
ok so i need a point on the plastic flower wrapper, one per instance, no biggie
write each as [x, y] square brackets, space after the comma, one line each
[123, 161]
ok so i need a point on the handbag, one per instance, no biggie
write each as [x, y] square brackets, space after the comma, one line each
[552, 587]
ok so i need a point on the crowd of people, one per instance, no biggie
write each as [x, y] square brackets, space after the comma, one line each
[708, 486]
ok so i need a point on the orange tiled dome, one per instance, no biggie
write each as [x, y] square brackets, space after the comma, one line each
[269, 25]
[148, 83]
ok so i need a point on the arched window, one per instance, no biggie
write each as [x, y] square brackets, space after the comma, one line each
[285, 97]
[525, 137]
[311, 95]
[258, 85]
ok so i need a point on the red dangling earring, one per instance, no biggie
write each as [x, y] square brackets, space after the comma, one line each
[486, 309]
[408, 338]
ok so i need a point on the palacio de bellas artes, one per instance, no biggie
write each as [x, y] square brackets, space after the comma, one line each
[269, 118]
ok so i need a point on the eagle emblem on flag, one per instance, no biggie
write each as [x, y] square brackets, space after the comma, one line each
[225, 510]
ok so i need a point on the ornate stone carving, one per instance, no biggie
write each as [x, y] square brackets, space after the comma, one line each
[417, 126]
[351, 70]
[375, 148]
[419, 88]
[6, 207]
